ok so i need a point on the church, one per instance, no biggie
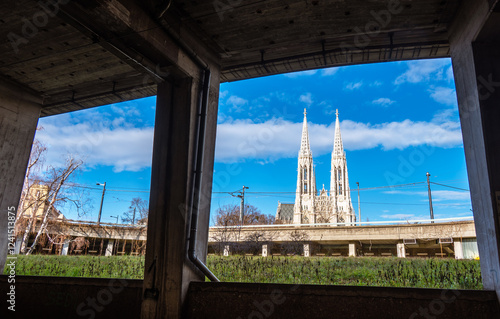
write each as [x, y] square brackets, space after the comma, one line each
[332, 206]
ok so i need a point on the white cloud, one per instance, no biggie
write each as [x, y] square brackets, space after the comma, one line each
[237, 102]
[223, 94]
[444, 95]
[274, 139]
[423, 70]
[306, 98]
[123, 148]
[437, 195]
[295, 75]
[329, 71]
[398, 216]
[353, 86]
[383, 101]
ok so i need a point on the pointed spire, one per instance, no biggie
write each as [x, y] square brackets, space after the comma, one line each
[338, 146]
[305, 149]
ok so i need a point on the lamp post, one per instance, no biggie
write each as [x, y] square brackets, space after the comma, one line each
[115, 217]
[359, 205]
[102, 200]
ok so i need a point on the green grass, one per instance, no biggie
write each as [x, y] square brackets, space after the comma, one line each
[367, 271]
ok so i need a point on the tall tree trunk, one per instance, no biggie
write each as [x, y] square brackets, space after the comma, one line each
[72, 166]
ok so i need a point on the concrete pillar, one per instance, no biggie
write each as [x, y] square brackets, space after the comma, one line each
[401, 250]
[227, 250]
[109, 248]
[65, 248]
[17, 248]
[352, 250]
[306, 250]
[19, 112]
[457, 247]
[476, 65]
[168, 271]
[264, 250]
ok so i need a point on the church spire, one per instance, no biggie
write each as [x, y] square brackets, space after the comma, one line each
[338, 146]
[305, 149]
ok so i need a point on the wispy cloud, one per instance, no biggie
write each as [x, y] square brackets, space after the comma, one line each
[420, 71]
[295, 75]
[443, 95]
[236, 102]
[383, 101]
[329, 71]
[353, 86]
[306, 98]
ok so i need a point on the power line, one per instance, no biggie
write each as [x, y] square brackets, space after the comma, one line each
[462, 189]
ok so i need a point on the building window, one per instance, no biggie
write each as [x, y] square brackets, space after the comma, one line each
[305, 188]
[305, 173]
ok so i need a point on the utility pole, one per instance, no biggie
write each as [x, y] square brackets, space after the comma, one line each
[430, 197]
[359, 205]
[133, 217]
[241, 195]
[102, 200]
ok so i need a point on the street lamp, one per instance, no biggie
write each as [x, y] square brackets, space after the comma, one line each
[359, 205]
[102, 200]
[115, 217]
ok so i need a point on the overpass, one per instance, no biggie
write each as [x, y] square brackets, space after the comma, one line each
[442, 238]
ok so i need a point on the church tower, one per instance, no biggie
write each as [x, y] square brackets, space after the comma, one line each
[303, 212]
[339, 180]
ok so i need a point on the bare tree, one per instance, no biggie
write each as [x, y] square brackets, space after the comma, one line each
[57, 178]
[137, 212]
[228, 218]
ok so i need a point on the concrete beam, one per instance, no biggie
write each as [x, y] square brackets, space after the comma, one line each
[19, 113]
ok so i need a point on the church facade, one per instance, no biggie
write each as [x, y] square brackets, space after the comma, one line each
[311, 206]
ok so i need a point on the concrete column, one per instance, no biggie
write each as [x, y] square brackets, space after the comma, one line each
[65, 248]
[401, 250]
[227, 250]
[477, 77]
[17, 248]
[168, 271]
[19, 112]
[109, 248]
[264, 250]
[352, 250]
[457, 247]
[306, 250]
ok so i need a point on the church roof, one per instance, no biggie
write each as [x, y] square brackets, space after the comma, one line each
[285, 212]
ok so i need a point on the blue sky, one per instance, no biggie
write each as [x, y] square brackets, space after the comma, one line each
[398, 121]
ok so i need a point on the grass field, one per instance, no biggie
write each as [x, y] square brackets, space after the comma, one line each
[388, 272]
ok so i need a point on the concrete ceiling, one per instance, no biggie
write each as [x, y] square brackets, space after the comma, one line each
[95, 52]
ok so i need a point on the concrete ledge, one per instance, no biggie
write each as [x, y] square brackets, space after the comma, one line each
[66, 297]
[247, 300]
